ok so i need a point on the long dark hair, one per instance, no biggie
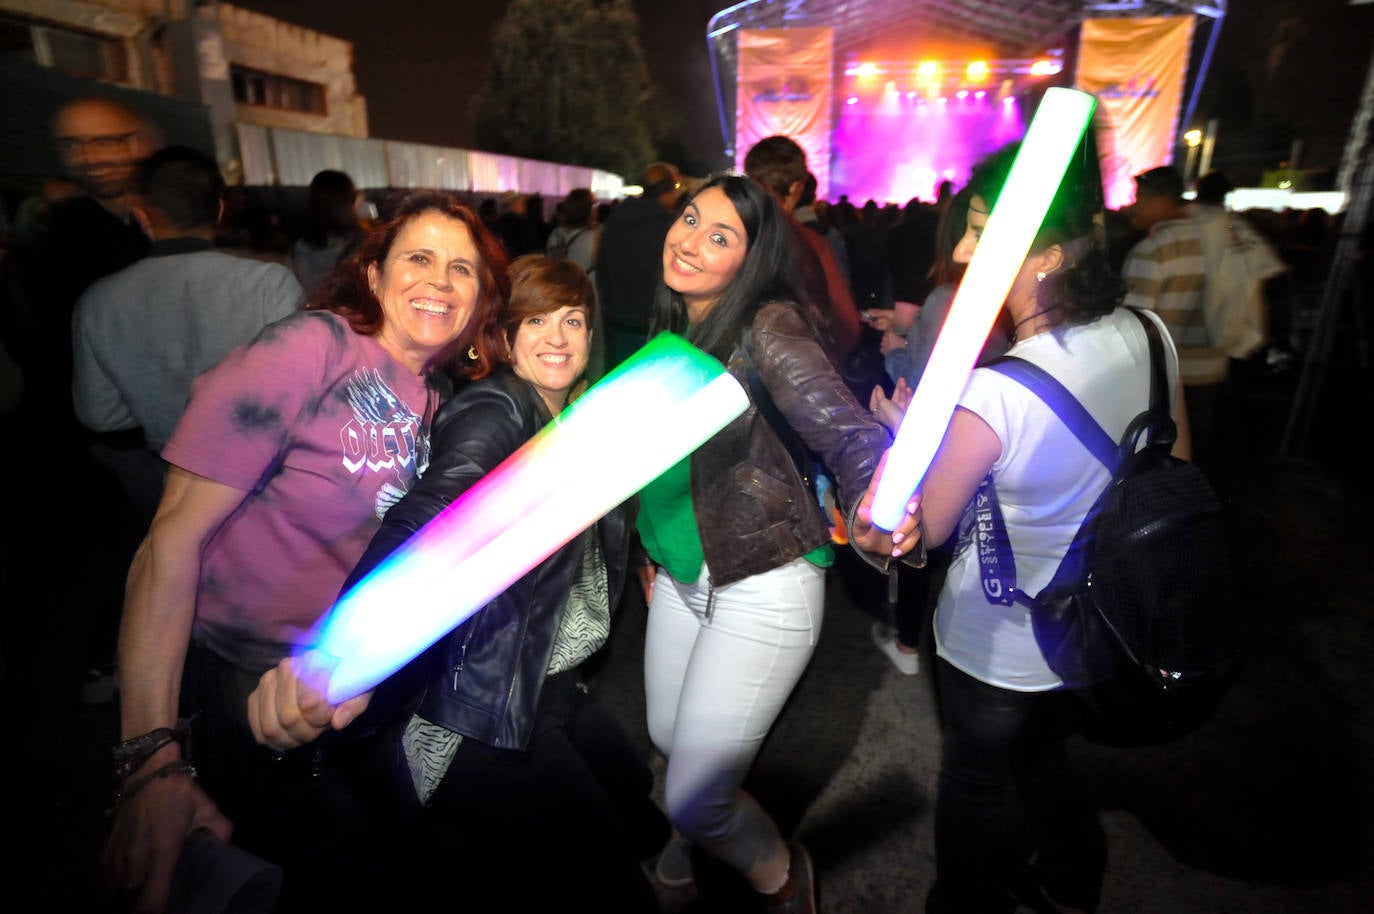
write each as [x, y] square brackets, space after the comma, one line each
[346, 291]
[769, 273]
[1085, 287]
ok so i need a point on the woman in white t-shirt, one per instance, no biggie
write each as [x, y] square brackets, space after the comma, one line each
[1005, 714]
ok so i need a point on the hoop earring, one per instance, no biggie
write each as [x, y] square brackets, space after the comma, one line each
[472, 353]
[1040, 276]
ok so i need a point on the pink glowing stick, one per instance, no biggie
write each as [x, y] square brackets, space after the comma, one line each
[574, 471]
[1054, 134]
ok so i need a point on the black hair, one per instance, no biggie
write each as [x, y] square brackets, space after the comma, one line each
[1213, 187]
[184, 185]
[769, 273]
[333, 199]
[1084, 288]
[576, 208]
[777, 162]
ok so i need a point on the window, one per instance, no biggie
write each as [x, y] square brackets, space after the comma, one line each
[253, 87]
[75, 53]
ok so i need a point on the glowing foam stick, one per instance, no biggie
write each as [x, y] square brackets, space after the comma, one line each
[1050, 141]
[561, 481]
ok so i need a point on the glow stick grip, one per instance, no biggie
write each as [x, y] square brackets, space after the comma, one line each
[1044, 157]
[561, 481]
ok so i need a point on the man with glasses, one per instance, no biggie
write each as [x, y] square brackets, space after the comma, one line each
[82, 237]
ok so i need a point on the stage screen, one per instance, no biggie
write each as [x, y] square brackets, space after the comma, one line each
[784, 87]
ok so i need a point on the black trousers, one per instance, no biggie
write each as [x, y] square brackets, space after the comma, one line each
[561, 825]
[338, 815]
[994, 738]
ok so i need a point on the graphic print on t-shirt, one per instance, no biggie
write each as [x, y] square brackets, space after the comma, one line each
[383, 435]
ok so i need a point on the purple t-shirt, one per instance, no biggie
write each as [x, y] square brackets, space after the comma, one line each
[324, 431]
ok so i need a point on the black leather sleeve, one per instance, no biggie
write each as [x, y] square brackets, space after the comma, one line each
[472, 433]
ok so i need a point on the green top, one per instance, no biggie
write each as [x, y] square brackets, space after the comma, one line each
[668, 526]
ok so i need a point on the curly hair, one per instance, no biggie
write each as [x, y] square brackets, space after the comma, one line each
[1085, 287]
[346, 291]
[769, 273]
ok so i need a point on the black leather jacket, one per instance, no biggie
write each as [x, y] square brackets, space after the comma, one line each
[484, 678]
[753, 511]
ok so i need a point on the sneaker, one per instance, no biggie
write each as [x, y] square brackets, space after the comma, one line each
[98, 687]
[798, 896]
[885, 636]
[674, 867]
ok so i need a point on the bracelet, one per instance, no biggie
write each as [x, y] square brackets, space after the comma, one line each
[133, 753]
[180, 766]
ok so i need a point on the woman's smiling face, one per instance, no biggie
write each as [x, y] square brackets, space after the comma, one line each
[427, 287]
[704, 250]
[550, 351]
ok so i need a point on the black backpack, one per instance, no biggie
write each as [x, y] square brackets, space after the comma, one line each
[1137, 618]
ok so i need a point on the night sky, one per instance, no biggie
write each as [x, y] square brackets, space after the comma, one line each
[420, 62]
[1298, 64]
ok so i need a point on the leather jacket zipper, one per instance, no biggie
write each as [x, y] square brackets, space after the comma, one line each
[458, 667]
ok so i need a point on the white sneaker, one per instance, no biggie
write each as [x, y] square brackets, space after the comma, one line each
[885, 637]
[674, 867]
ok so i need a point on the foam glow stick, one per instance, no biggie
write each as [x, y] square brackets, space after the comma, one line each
[1053, 135]
[575, 470]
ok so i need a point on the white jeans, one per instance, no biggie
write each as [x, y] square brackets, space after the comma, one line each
[715, 684]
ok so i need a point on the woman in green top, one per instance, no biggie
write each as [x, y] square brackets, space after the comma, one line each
[734, 620]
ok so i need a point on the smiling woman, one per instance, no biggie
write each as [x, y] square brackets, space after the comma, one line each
[506, 748]
[288, 455]
[548, 323]
[427, 287]
[737, 536]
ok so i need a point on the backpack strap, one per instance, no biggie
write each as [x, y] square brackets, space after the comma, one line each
[1057, 397]
[1155, 420]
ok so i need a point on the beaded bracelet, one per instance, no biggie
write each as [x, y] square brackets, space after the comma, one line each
[180, 766]
[133, 753]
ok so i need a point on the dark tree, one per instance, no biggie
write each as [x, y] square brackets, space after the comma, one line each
[568, 83]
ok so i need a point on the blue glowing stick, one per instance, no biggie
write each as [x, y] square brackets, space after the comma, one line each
[560, 482]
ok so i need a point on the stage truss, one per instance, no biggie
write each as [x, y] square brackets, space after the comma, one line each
[1014, 28]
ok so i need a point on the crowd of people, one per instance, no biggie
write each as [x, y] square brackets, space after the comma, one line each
[259, 429]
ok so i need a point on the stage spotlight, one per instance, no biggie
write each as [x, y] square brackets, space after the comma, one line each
[867, 70]
[1045, 67]
[961, 94]
[912, 94]
[942, 100]
[1009, 100]
[980, 94]
[928, 69]
[852, 100]
[977, 71]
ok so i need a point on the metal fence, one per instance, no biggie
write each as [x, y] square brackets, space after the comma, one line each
[274, 156]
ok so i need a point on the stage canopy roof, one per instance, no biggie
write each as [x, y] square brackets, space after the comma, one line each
[1014, 28]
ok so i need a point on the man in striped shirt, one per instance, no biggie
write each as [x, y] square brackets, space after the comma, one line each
[1166, 273]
